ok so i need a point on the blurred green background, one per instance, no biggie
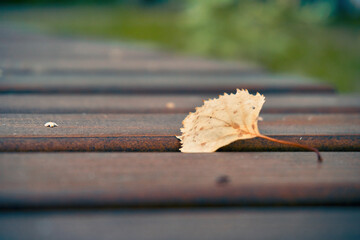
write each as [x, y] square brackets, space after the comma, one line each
[315, 38]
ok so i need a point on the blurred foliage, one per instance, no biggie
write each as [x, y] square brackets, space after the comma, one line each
[309, 37]
[291, 36]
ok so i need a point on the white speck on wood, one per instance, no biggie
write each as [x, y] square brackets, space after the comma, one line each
[50, 124]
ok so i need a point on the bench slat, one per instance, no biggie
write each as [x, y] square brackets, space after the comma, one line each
[30, 103]
[156, 132]
[210, 224]
[40, 52]
[177, 179]
[165, 83]
[33, 53]
[119, 66]
[28, 52]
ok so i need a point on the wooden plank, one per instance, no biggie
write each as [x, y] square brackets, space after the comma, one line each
[20, 45]
[156, 132]
[73, 54]
[123, 65]
[181, 83]
[50, 58]
[81, 180]
[165, 67]
[31, 103]
[26, 53]
[210, 224]
[29, 52]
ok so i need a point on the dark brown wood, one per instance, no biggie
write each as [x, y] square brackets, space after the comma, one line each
[177, 179]
[156, 132]
[329, 223]
[32, 103]
[45, 65]
[174, 83]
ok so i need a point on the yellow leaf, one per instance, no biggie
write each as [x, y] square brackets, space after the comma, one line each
[221, 121]
[224, 120]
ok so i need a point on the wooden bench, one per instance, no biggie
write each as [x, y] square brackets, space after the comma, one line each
[112, 168]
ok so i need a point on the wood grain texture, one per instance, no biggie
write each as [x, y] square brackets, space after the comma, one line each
[156, 132]
[88, 66]
[210, 224]
[160, 83]
[48, 180]
[32, 103]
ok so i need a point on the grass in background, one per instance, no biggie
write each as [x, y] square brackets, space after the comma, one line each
[113, 22]
[275, 38]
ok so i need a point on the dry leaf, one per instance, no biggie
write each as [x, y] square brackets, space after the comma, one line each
[222, 121]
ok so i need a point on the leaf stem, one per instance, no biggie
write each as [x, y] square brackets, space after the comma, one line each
[320, 159]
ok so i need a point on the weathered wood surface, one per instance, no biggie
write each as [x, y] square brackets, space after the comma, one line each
[18, 50]
[175, 179]
[33, 103]
[210, 224]
[125, 66]
[34, 63]
[156, 132]
[20, 45]
[37, 63]
[174, 83]
[44, 54]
